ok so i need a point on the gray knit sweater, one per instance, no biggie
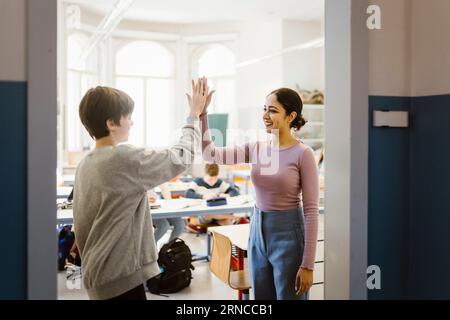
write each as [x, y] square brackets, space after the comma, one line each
[113, 226]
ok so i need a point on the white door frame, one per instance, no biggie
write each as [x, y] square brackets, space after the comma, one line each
[41, 197]
[346, 144]
[346, 60]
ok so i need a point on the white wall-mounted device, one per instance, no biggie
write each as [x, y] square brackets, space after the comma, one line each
[390, 119]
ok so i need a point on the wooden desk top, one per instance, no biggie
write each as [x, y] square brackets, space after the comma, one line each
[238, 234]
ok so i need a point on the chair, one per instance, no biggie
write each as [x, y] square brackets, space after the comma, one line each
[221, 266]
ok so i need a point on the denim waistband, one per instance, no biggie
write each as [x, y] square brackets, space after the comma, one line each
[285, 216]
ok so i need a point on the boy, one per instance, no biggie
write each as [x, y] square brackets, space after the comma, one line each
[111, 212]
[208, 187]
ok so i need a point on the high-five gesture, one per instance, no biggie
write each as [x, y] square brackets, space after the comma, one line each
[200, 94]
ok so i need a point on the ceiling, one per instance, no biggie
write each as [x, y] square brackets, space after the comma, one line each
[201, 11]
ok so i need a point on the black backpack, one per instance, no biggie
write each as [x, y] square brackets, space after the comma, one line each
[175, 260]
[66, 238]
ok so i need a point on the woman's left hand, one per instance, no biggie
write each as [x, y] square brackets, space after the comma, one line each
[208, 101]
[303, 281]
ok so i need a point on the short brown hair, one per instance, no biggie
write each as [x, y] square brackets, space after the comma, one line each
[212, 169]
[100, 104]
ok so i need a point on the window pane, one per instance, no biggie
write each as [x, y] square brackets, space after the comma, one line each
[225, 98]
[160, 104]
[87, 82]
[72, 118]
[77, 84]
[216, 61]
[74, 48]
[76, 43]
[145, 58]
[134, 87]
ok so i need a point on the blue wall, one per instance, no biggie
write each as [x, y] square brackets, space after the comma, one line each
[13, 190]
[430, 198]
[388, 217]
[409, 214]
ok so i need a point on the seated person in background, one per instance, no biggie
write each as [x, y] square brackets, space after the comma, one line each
[208, 187]
[162, 225]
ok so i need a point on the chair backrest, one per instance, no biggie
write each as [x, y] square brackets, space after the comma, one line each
[220, 264]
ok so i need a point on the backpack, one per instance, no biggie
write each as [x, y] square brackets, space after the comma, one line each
[66, 245]
[174, 260]
[66, 238]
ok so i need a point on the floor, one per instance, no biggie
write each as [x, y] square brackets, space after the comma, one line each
[204, 285]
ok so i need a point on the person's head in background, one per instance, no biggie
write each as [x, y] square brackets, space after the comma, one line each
[283, 111]
[106, 114]
[211, 173]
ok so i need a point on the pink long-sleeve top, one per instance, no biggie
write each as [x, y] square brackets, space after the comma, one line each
[282, 179]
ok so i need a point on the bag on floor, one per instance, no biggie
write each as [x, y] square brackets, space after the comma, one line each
[67, 249]
[66, 239]
[175, 261]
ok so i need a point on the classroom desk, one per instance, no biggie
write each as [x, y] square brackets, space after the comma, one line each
[177, 189]
[179, 208]
[63, 192]
[69, 180]
[239, 235]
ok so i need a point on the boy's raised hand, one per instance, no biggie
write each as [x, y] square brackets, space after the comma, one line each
[200, 94]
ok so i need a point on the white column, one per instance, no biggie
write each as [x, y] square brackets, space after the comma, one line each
[42, 107]
[346, 144]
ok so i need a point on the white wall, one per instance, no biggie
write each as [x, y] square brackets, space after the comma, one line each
[431, 47]
[256, 81]
[410, 55]
[390, 50]
[13, 40]
[306, 67]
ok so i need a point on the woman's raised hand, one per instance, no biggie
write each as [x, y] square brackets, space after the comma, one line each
[208, 101]
[200, 94]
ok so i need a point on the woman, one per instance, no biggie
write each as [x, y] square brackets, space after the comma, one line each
[282, 244]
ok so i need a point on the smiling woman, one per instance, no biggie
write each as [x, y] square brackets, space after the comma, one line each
[284, 226]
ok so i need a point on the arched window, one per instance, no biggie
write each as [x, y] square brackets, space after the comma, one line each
[145, 70]
[81, 76]
[217, 62]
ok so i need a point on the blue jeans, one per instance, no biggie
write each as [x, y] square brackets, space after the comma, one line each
[275, 253]
[162, 225]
